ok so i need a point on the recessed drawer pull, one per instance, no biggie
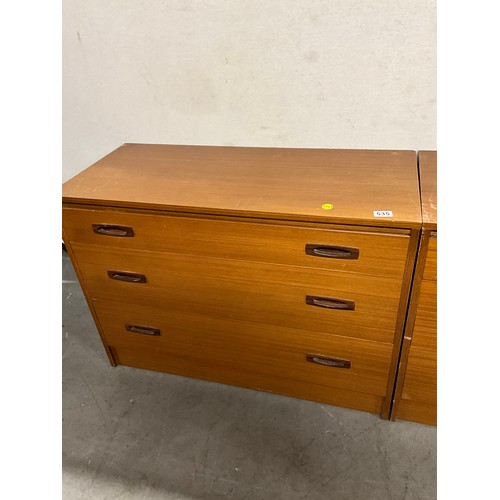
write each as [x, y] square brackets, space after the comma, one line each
[332, 251]
[330, 303]
[113, 230]
[328, 361]
[128, 277]
[143, 330]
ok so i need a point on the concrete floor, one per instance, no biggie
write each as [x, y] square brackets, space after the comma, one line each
[135, 434]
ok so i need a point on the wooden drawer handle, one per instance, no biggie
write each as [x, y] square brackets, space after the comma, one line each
[330, 303]
[328, 361]
[332, 251]
[128, 277]
[112, 230]
[143, 330]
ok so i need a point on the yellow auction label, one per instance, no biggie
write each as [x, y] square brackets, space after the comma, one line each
[327, 206]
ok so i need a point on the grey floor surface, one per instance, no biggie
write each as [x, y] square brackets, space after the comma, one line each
[136, 434]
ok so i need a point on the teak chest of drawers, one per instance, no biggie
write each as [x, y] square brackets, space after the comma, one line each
[283, 270]
[416, 389]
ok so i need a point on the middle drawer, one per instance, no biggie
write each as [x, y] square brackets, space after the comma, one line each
[340, 303]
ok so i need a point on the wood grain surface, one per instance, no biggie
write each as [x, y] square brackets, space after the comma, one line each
[253, 291]
[425, 328]
[427, 164]
[418, 411]
[430, 269]
[382, 254]
[207, 370]
[421, 376]
[420, 341]
[415, 394]
[291, 184]
[269, 349]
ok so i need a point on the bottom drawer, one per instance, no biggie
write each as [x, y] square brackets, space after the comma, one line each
[420, 384]
[206, 370]
[301, 355]
[416, 411]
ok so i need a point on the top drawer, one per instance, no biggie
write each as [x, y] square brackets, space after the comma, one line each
[374, 253]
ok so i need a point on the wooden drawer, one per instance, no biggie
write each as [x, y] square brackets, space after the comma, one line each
[416, 411]
[206, 370]
[420, 382]
[267, 349]
[380, 253]
[430, 269]
[425, 328]
[249, 291]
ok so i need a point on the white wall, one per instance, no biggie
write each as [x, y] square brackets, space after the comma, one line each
[311, 73]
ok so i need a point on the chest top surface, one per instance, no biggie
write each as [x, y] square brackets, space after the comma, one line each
[321, 185]
[428, 187]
